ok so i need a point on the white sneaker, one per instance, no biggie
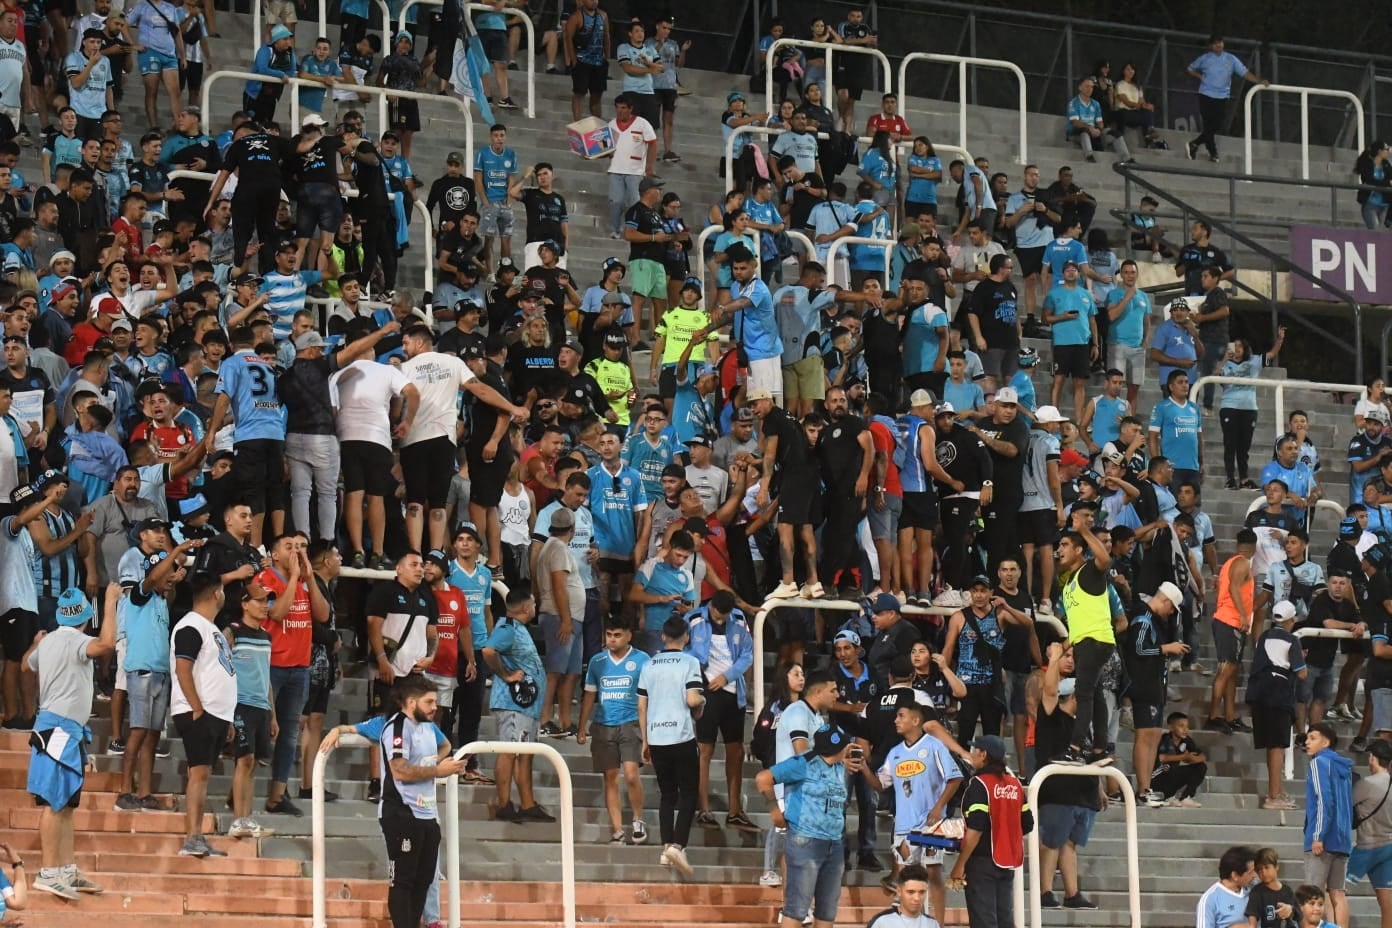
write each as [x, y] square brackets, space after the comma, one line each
[784, 591]
[640, 831]
[57, 886]
[1189, 802]
[249, 828]
[1046, 607]
[1151, 798]
[812, 591]
[1126, 719]
[675, 856]
[948, 599]
[1174, 666]
[770, 878]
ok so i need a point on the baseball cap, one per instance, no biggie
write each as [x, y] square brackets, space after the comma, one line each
[1377, 555]
[616, 339]
[701, 440]
[847, 634]
[151, 524]
[991, 745]
[467, 306]
[1049, 414]
[944, 409]
[1349, 528]
[1177, 304]
[1112, 454]
[110, 306]
[21, 493]
[506, 264]
[308, 340]
[1027, 357]
[756, 394]
[454, 157]
[122, 323]
[551, 244]
[313, 119]
[705, 370]
[1008, 396]
[1067, 686]
[247, 280]
[1283, 611]
[980, 580]
[468, 528]
[576, 395]
[1172, 593]
[829, 740]
[1377, 415]
[651, 183]
[885, 602]
[1070, 456]
[733, 95]
[439, 558]
[692, 283]
[1071, 262]
[744, 414]
[49, 478]
[612, 263]
[73, 608]
[920, 398]
[574, 345]
[473, 352]
[562, 518]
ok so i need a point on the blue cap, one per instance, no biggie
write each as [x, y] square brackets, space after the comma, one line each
[705, 369]
[847, 634]
[885, 602]
[829, 740]
[692, 283]
[1349, 528]
[193, 507]
[990, 745]
[281, 32]
[73, 608]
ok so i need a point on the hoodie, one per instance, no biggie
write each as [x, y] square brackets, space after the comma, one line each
[1329, 802]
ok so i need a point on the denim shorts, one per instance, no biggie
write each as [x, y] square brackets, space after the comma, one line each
[1059, 824]
[497, 219]
[320, 209]
[153, 62]
[884, 523]
[1373, 862]
[815, 866]
[561, 658]
[148, 693]
[1318, 684]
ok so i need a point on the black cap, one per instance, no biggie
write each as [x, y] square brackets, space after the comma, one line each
[151, 525]
[468, 528]
[439, 558]
[829, 740]
[674, 470]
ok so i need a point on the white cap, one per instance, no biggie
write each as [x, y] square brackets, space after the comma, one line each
[1049, 414]
[313, 119]
[1007, 395]
[920, 398]
[1283, 611]
[757, 394]
[1110, 452]
[1170, 592]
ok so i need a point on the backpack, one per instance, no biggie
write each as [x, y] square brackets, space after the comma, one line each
[762, 744]
[903, 436]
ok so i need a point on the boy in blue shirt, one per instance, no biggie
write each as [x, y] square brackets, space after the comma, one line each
[1176, 430]
[611, 700]
[662, 587]
[516, 703]
[1072, 315]
[495, 167]
[322, 68]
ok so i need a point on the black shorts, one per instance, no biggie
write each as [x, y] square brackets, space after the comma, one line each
[487, 478]
[17, 630]
[67, 7]
[588, 79]
[367, 467]
[913, 209]
[1148, 715]
[1354, 646]
[1072, 361]
[427, 468]
[380, 700]
[615, 566]
[405, 116]
[790, 625]
[38, 66]
[259, 468]
[203, 737]
[851, 80]
[1031, 260]
[667, 383]
[722, 719]
[920, 512]
[495, 44]
[1271, 727]
[1039, 528]
[798, 499]
[1228, 642]
[666, 99]
[251, 731]
[318, 701]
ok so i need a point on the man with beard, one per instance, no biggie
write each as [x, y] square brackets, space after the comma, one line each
[231, 556]
[847, 454]
[994, 322]
[1006, 436]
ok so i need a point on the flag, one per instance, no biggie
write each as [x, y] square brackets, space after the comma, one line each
[470, 60]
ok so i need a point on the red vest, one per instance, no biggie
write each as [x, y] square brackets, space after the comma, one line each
[1006, 797]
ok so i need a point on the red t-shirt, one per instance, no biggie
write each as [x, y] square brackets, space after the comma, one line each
[134, 241]
[716, 554]
[883, 439]
[451, 605]
[170, 442]
[543, 492]
[292, 638]
[894, 125]
[84, 336]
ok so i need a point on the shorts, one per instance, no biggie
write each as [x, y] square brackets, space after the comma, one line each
[318, 208]
[153, 62]
[612, 746]
[17, 630]
[367, 468]
[765, 374]
[1373, 862]
[149, 698]
[805, 380]
[1130, 361]
[380, 700]
[723, 717]
[1015, 700]
[1328, 871]
[281, 11]
[405, 116]
[1031, 260]
[920, 512]
[203, 737]
[793, 626]
[648, 278]
[1271, 727]
[251, 731]
[515, 726]
[1072, 361]
[1318, 684]
[1228, 641]
[1354, 646]
[561, 658]
[918, 854]
[666, 99]
[1039, 527]
[1060, 824]
[1148, 714]
[444, 691]
[913, 209]
[588, 79]
[427, 468]
[798, 500]
[667, 382]
[489, 478]
[1382, 710]
[495, 44]
[615, 566]
[259, 467]
[317, 702]
[884, 523]
[497, 219]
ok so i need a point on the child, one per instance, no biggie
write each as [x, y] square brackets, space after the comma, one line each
[1310, 900]
[1328, 816]
[322, 68]
[1271, 903]
[516, 703]
[964, 395]
[672, 334]
[1180, 766]
[254, 722]
[611, 700]
[1146, 232]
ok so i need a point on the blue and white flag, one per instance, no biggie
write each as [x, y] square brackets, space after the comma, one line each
[470, 63]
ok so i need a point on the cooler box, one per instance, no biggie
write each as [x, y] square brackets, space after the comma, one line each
[589, 137]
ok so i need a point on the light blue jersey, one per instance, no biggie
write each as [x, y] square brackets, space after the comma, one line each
[477, 588]
[659, 578]
[649, 459]
[921, 189]
[664, 682]
[287, 297]
[870, 257]
[1059, 252]
[312, 95]
[1107, 414]
[638, 57]
[89, 100]
[1217, 70]
[1076, 331]
[800, 313]
[1181, 429]
[797, 723]
[756, 327]
[1088, 112]
[146, 621]
[580, 541]
[1129, 328]
[963, 396]
[497, 169]
[816, 796]
[1030, 232]
[614, 501]
[249, 382]
[17, 588]
[826, 218]
[614, 681]
[922, 340]
[918, 773]
[516, 651]
[251, 664]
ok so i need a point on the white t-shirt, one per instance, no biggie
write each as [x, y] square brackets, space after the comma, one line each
[213, 676]
[363, 400]
[438, 377]
[136, 301]
[9, 462]
[12, 57]
[631, 146]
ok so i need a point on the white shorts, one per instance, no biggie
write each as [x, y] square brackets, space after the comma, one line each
[444, 688]
[766, 374]
[531, 256]
[1130, 361]
[918, 854]
[121, 664]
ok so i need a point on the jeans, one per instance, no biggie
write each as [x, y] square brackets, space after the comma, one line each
[1089, 657]
[774, 841]
[291, 688]
[314, 464]
[1214, 350]
[1373, 216]
[1087, 143]
[623, 193]
[815, 866]
[432, 912]
[866, 802]
[989, 890]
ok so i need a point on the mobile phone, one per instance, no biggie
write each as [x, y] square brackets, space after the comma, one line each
[856, 751]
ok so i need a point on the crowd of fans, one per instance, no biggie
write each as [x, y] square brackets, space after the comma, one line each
[216, 395]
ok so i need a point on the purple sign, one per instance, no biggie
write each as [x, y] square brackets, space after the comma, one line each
[1356, 261]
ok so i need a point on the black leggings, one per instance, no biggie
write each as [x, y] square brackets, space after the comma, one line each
[1089, 657]
[678, 770]
[254, 211]
[1238, 427]
[413, 847]
[1180, 781]
[958, 519]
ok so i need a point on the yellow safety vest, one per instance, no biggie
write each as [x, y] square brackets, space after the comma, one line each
[1089, 615]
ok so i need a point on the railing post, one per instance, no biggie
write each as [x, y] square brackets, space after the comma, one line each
[1164, 82]
[962, 103]
[1304, 133]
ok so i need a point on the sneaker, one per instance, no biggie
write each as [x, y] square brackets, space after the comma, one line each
[1048, 901]
[1102, 757]
[308, 795]
[1190, 149]
[1217, 725]
[572, 730]
[1279, 803]
[1189, 802]
[284, 807]
[812, 591]
[381, 562]
[506, 103]
[1174, 665]
[551, 730]
[1151, 798]
[849, 593]
[1126, 719]
[948, 599]
[1339, 714]
[707, 820]
[374, 789]
[1156, 257]
[640, 831]
[1200, 669]
[18, 724]
[740, 821]
[1071, 758]
[127, 802]
[784, 591]
[1046, 607]
[1213, 158]
[616, 236]
[675, 856]
[889, 884]
[1298, 741]
[868, 861]
[534, 813]
[1249, 484]
[81, 884]
[640, 345]
[57, 886]
[1230, 484]
[1359, 746]
[151, 804]
[208, 849]
[1092, 159]
[1078, 902]
[193, 847]
[771, 878]
[671, 156]
[618, 837]
[249, 828]
[358, 561]
[116, 747]
[1239, 725]
[552, 69]
[162, 749]
[507, 812]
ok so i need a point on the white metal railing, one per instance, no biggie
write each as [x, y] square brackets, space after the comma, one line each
[1305, 94]
[1280, 386]
[962, 63]
[828, 98]
[1133, 857]
[704, 235]
[1328, 505]
[834, 246]
[527, 25]
[1289, 771]
[319, 858]
[566, 814]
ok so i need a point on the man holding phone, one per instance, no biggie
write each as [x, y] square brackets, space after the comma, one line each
[663, 588]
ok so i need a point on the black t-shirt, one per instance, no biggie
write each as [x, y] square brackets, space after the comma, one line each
[483, 419]
[647, 221]
[463, 250]
[881, 336]
[402, 610]
[1377, 592]
[1217, 330]
[1345, 557]
[993, 304]
[964, 457]
[1008, 474]
[455, 196]
[1319, 652]
[370, 177]
[534, 368]
[895, 641]
[456, 340]
[304, 392]
[1193, 259]
[1262, 902]
[594, 393]
[841, 453]
[545, 214]
[879, 722]
[1015, 655]
[792, 455]
[319, 163]
[1052, 733]
[800, 208]
[256, 159]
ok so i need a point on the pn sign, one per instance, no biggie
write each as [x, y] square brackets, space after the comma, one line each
[1356, 261]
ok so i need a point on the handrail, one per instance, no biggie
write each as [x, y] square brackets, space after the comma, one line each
[1133, 856]
[1289, 766]
[884, 243]
[566, 815]
[962, 61]
[318, 856]
[527, 25]
[828, 98]
[1280, 386]
[767, 132]
[1305, 93]
[1128, 172]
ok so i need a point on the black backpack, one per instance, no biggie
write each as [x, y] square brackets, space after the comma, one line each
[762, 745]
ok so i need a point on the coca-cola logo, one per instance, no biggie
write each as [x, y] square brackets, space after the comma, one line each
[1006, 791]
